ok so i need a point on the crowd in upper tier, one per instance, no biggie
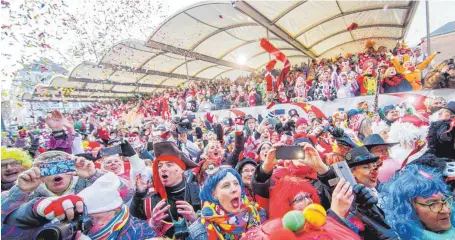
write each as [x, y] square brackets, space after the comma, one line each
[400, 69]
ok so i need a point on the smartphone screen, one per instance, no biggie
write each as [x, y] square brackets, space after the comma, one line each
[290, 152]
[57, 167]
[111, 151]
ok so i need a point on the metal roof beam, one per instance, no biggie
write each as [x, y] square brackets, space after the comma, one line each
[294, 6]
[345, 14]
[221, 30]
[409, 16]
[116, 67]
[87, 80]
[55, 100]
[261, 19]
[360, 39]
[198, 56]
[87, 90]
[360, 27]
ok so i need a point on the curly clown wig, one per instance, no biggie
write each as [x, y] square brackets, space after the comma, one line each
[210, 184]
[17, 154]
[413, 181]
[287, 183]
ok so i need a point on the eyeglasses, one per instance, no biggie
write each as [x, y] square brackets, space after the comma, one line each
[301, 197]
[437, 206]
[12, 164]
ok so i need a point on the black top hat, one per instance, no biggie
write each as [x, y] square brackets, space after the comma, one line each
[376, 140]
[359, 156]
[293, 112]
[450, 106]
[170, 148]
[248, 117]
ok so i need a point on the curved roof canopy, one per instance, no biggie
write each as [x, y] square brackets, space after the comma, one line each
[210, 40]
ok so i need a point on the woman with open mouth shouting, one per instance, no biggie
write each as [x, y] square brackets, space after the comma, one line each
[226, 212]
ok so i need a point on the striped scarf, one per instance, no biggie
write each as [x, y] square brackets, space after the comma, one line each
[221, 225]
[113, 228]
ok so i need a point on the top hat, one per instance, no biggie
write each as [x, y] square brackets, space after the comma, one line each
[450, 106]
[359, 156]
[376, 140]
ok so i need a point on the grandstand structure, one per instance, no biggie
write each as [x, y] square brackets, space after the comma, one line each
[211, 40]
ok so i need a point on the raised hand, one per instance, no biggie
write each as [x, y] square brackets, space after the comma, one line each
[158, 215]
[84, 168]
[141, 184]
[271, 161]
[342, 198]
[186, 210]
[55, 120]
[59, 207]
[313, 159]
[29, 180]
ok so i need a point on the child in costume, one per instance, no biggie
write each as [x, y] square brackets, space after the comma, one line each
[394, 82]
[323, 88]
[411, 72]
[346, 88]
[368, 80]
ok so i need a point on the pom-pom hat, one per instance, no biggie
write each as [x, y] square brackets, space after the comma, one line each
[103, 195]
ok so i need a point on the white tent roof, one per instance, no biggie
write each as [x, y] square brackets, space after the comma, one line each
[220, 39]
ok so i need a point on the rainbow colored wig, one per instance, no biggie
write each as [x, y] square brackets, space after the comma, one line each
[19, 155]
[415, 180]
[210, 184]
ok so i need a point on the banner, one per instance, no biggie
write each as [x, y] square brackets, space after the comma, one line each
[326, 109]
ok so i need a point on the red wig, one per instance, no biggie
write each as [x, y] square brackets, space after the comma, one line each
[288, 183]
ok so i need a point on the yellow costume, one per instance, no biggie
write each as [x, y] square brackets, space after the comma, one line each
[414, 78]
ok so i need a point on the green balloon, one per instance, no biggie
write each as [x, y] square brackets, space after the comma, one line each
[293, 220]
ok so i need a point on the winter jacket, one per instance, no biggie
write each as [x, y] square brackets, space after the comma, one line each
[25, 223]
[141, 201]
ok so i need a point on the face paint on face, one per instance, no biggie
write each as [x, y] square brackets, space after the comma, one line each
[366, 174]
[114, 163]
[434, 212]
[11, 170]
[229, 193]
[170, 173]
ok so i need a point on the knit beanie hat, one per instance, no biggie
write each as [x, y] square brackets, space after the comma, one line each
[103, 195]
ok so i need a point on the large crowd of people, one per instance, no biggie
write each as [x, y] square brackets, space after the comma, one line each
[149, 168]
[401, 69]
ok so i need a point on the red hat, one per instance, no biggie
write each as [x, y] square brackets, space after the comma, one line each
[301, 121]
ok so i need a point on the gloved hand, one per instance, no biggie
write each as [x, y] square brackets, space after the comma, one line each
[59, 207]
[127, 149]
[364, 196]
